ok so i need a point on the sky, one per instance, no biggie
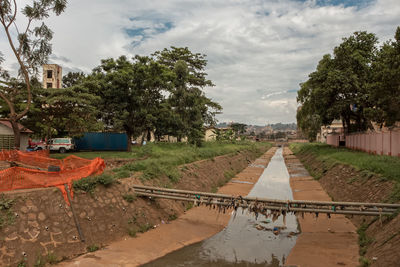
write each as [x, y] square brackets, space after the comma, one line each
[258, 51]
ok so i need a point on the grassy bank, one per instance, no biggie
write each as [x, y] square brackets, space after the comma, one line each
[387, 167]
[164, 159]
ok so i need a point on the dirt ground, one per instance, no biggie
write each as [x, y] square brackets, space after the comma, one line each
[323, 241]
[344, 183]
[193, 226]
[42, 227]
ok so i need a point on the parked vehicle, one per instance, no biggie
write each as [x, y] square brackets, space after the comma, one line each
[61, 145]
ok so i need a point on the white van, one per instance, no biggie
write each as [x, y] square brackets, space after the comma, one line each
[61, 145]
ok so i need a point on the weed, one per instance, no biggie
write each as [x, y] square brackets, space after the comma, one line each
[172, 217]
[129, 198]
[189, 206]
[92, 248]
[364, 262]
[132, 220]
[51, 258]
[132, 232]
[144, 227]
[40, 262]
[229, 174]
[214, 189]
[7, 217]
[363, 239]
[21, 263]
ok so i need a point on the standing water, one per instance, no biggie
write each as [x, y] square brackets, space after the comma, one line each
[247, 241]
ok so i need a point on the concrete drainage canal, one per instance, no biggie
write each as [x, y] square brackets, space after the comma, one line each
[248, 240]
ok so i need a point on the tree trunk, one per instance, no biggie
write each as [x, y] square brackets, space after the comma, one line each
[129, 145]
[17, 134]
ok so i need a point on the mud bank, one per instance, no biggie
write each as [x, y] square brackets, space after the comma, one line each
[39, 226]
[379, 238]
[194, 226]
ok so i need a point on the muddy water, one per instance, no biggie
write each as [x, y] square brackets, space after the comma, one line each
[246, 241]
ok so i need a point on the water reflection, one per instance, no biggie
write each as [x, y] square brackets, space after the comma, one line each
[247, 241]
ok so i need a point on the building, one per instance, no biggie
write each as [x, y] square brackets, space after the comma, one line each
[336, 127]
[210, 134]
[52, 76]
[7, 136]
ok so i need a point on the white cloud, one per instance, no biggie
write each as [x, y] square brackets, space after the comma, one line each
[255, 48]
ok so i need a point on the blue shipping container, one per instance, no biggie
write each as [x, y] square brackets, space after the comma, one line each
[102, 141]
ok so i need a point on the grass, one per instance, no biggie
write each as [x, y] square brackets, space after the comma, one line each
[388, 167]
[163, 159]
[89, 184]
[101, 154]
[7, 217]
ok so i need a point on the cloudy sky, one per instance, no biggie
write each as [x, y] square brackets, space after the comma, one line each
[258, 51]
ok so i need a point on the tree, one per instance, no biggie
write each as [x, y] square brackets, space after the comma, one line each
[31, 48]
[59, 112]
[384, 92]
[193, 109]
[73, 78]
[130, 92]
[338, 89]
[238, 128]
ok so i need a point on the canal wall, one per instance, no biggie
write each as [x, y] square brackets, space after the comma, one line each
[37, 226]
[379, 238]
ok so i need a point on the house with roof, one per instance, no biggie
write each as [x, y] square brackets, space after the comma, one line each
[7, 136]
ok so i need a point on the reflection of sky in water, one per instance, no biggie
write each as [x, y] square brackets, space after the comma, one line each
[240, 243]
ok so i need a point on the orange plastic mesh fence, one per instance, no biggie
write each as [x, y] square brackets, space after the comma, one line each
[71, 168]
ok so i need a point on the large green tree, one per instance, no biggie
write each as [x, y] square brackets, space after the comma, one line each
[338, 89]
[31, 47]
[384, 92]
[59, 112]
[187, 99]
[130, 92]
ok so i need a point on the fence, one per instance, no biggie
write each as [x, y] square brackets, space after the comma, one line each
[35, 176]
[381, 143]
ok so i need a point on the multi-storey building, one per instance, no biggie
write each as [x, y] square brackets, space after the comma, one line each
[52, 76]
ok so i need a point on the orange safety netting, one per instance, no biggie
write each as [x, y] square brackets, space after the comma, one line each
[71, 168]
